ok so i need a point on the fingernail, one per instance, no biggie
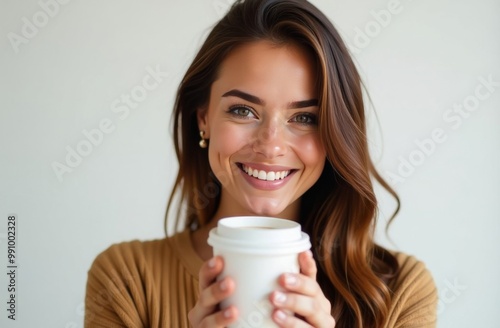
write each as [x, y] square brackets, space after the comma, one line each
[280, 316]
[227, 313]
[279, 298]
[223, 285]
[290, 279]
[211, 263]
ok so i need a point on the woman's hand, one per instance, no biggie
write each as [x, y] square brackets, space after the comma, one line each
[206, 312]
[303, 296]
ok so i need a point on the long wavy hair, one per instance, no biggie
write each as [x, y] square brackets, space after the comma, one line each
[339, 212]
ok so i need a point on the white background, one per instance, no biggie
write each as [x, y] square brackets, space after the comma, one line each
[417, 64]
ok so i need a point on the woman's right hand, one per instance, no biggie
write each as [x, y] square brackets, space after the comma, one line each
[206, 312]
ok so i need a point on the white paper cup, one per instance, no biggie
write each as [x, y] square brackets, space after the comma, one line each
[256, 251]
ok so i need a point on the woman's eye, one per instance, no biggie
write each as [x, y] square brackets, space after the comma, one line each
[305, 118]
[243, 111]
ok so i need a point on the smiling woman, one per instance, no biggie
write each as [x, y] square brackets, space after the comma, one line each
[270, 129]
[277, 101]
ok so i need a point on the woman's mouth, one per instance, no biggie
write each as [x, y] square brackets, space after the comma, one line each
[264, 175]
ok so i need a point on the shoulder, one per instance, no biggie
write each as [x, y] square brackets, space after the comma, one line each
[414, 299]
[115, 284]
[126, 277]
[132, 260]
[124, 264]
[411, 271]
[131, 252]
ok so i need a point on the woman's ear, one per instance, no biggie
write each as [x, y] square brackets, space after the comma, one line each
[202, 116]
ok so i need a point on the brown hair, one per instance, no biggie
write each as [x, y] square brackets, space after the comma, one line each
[339, 211]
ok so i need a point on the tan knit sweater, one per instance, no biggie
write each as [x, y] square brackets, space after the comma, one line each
[155, 284]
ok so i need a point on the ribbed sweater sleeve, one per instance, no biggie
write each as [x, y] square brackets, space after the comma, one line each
[142, 284]
[414, 302]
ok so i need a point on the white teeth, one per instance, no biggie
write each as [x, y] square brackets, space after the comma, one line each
[270, 176]
[263, 175]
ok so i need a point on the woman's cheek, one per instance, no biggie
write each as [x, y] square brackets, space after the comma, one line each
[310, 150]
[225, 142]
[230, 139]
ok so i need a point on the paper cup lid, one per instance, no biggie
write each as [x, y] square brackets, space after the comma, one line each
[259, 235]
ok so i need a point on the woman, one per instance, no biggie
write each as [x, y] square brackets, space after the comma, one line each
[269, 120]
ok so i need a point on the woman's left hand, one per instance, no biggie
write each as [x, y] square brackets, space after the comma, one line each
[303, 296]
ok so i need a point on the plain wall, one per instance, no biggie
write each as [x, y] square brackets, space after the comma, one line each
[420, 63]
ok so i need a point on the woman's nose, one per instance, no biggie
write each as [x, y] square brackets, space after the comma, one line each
[270, 141]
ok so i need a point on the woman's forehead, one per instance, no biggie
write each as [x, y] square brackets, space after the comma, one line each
[265, 68]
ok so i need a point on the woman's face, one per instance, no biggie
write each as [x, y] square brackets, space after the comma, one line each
[261, 123]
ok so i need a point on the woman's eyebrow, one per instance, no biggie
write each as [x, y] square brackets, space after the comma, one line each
[303, 103]
[256, 100]
[245, 96]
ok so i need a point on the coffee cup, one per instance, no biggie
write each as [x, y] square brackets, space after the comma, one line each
[256, 251]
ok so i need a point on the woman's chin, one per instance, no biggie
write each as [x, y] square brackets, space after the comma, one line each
[267, 213]
[267, 210]
[267, 206]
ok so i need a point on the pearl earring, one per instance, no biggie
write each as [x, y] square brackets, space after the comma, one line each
[203, 142]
